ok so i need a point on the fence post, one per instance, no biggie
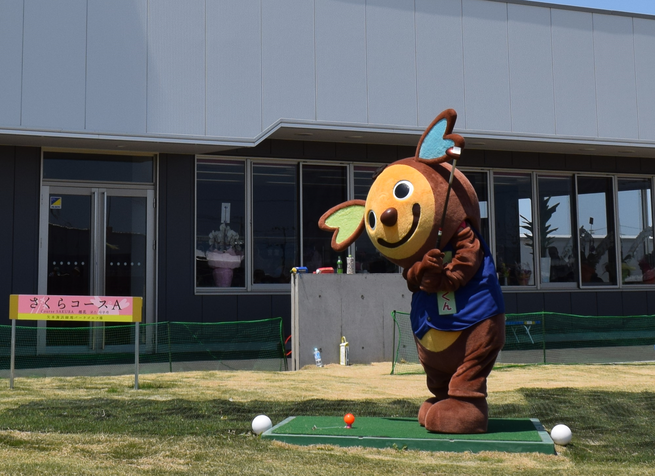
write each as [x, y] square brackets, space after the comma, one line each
[136, 356]
[394, 351]
[12, 357]
[170, 356]
[543, 334]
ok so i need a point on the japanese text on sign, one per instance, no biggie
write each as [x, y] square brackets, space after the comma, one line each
[75, 308]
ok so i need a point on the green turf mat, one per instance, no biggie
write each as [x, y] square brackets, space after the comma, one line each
[511, 435]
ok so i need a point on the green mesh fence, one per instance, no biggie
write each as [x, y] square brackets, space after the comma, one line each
[163, 347]
[550, 337]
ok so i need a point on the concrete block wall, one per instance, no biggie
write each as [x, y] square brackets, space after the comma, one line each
[325, 307]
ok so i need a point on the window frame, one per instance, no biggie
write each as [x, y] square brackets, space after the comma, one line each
[490, 172]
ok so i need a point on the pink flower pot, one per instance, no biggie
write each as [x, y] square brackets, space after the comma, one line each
[223, 277]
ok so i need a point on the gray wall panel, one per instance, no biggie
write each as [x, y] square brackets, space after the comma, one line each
[645, 71]
[25, 227]
[391, 62]
[355, 306]
[177, 301]
[54, 64]
[11, 57]
[486, 67]
[6, 232]
[176, 67]
[341, 61]
[117, 66]
[234, 71]
[616, 93]
[439, 59]
[288, 77]
[531, 69]
[223, 68]
[573, 71]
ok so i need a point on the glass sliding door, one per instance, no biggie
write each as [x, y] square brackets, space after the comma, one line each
[70, 264]
[98, 241]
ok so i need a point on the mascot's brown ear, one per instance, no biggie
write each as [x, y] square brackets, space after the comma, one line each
[346, 220]
[438, 143]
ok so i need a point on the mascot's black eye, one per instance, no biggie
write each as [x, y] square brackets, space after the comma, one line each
[371, 219]
[403, 189]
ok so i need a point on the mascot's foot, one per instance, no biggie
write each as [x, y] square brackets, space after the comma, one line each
[457, 415]
[423, 411]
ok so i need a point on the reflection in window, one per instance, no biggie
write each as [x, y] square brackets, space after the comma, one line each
[275, 228]
[367, 257]
[323, 186]
[479, 182]
[596, 232]
[220, 223]
[636, 231]
[513, 212]
[558, 259]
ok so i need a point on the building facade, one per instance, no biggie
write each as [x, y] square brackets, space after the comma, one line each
[184, 151]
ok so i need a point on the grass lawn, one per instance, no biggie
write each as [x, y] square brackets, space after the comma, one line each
[199, 422]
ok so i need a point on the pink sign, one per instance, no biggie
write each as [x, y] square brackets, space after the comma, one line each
[75, 308]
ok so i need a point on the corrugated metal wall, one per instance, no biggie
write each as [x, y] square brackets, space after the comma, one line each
[232, 69]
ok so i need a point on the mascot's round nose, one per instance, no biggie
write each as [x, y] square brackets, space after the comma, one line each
[389, 217]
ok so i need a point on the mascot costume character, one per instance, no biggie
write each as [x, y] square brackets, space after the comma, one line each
[423, 214]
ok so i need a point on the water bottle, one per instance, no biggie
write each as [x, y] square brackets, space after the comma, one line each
[317, 357]
[339, 266]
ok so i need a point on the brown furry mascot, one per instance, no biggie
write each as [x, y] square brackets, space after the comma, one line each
[423, 214]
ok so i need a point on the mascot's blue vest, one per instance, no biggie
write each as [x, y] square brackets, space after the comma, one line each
[479, 299]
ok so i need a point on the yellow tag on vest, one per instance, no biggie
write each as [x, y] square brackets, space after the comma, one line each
[446, 299]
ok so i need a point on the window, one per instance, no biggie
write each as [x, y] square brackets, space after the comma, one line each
[323, 186]
[256, 219]
[275, 228]
[596, 231]
[557, 244]
[220, 224]
[636, 231]
[479, 182]
[367, 257]
[513, 217]
[98, 167]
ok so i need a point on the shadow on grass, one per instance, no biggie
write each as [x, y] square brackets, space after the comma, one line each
[607, 426]
[179, 417]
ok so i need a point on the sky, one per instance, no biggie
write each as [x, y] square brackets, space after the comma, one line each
[646, 7]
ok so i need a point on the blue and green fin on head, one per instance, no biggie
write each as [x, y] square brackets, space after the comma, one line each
[346, 221]
[438, 143]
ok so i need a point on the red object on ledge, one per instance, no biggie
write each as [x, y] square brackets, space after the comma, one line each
[328, 270]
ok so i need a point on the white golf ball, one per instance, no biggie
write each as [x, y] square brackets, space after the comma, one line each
[561, 434]
[260, 424]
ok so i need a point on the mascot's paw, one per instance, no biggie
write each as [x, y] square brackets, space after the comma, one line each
[423, 411]
[457, 415]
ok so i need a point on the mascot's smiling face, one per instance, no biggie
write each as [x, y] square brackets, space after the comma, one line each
[404, 208]
[400, 211]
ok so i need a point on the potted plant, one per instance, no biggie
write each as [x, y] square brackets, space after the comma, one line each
[224, 254]
[523, 273]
